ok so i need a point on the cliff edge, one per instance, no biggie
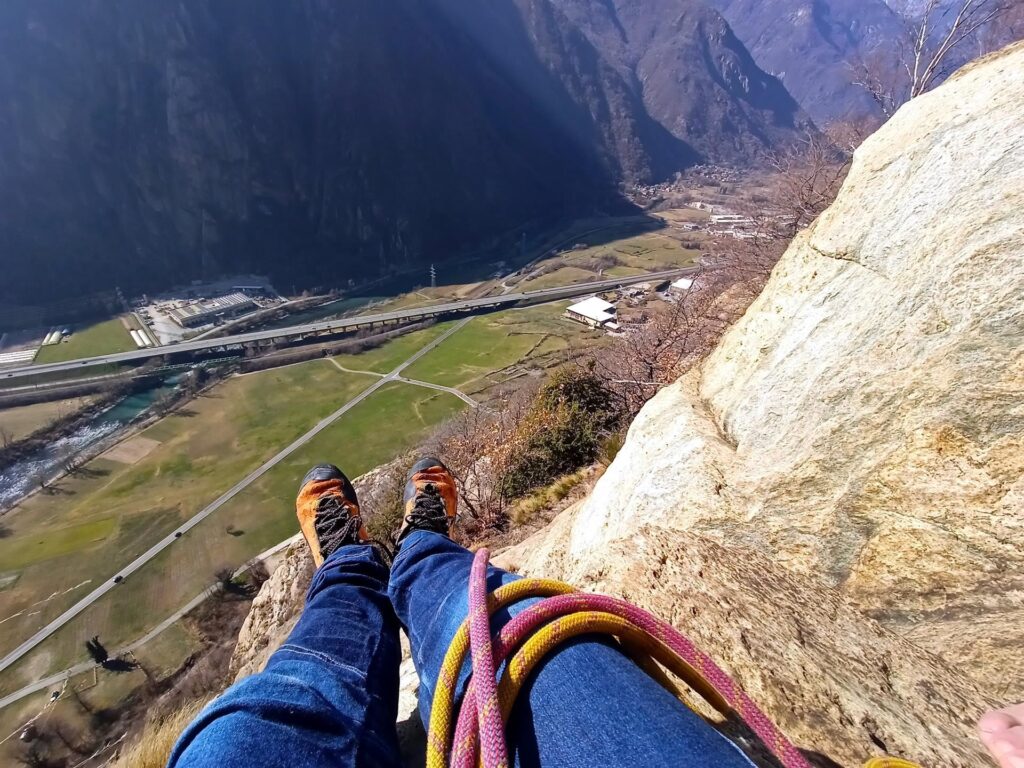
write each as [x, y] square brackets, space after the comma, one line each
[855, 439]
[831, 505]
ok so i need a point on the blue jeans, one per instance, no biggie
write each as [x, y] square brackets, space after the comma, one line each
[329, 696]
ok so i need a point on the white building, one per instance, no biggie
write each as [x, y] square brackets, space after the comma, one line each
[682, 285]
[595, 312]
[196, 313]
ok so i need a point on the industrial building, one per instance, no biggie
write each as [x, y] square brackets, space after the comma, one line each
[205, 311]
[681, 286]
[595, 312]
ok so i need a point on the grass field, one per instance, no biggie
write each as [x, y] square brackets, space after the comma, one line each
[60, 544]
[391, 421]
[568, 275]
[100, 339]
[389, 356]
[474, 356]
[162, 655]
[16, 423]
[632, 255]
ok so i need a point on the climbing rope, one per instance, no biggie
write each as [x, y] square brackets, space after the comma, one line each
[479, 736]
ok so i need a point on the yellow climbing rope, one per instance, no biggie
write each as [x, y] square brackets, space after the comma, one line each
[542, 628]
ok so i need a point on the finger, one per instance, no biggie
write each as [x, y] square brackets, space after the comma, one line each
[1008, 743]
[995, 721]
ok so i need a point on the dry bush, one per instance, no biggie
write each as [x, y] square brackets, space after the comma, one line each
[942, 38]
[524, 510]
[675, 335]
[479, 446]
[153, 746]
[537, 435]
[381, 500]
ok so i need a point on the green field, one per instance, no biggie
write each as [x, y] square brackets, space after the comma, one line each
[390, 422]
[20, 422]
[474, 357]
[568, 275]
[389, 356]
[632, 255]
[100, 339]
[162, 655]
[57, 542]
[61, 543]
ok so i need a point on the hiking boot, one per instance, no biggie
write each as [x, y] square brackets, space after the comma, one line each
[430, 498]
[328, 512]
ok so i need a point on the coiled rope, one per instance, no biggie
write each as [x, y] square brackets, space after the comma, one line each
[479, 736]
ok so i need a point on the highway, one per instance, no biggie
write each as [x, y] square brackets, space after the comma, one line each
[122, 573]
[345, 324]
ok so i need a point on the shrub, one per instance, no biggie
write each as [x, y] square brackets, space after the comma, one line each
[564, 430]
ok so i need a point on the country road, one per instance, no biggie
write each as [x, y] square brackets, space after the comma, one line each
[240, 486]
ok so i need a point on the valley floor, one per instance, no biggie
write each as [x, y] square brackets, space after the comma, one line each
[59, 546]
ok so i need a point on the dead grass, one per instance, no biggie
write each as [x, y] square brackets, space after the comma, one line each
[526, 510]
[158, 737]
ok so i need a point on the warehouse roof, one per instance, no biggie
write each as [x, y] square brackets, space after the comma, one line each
[595, 309]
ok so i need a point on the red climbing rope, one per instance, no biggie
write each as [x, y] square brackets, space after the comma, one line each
[539, 630]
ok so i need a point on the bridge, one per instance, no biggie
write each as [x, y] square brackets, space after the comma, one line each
[344, 325]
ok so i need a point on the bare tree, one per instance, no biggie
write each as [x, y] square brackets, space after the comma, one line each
[480, 446]
[97, 651]
[925, 55]
[806, 179]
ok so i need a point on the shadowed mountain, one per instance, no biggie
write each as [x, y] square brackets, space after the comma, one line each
[812, 45]
[147, 143]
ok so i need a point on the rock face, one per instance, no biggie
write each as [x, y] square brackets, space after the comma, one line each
[274, 612]
[838, 684]
[855, 441]
[863, 423]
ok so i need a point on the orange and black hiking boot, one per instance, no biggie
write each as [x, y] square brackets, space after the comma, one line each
[431, 500]
[328, 512]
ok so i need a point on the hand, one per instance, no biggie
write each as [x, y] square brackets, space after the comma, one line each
[1002, 731]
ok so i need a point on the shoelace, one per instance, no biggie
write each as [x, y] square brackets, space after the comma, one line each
[428, 512]
[335, 525]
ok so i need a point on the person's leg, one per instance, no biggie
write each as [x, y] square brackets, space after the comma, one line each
[329, 695]
[587, 705]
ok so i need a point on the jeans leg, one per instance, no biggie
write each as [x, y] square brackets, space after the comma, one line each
[328, 697]
[587, 705]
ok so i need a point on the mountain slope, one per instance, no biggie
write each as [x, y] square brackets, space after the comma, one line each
[692, 74]
[812, 45]
[149, 143]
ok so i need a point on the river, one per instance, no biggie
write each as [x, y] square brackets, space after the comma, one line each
[19, 478]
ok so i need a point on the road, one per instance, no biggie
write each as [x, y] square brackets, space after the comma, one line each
[346, 324]
[109, 584]
[85, 666]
